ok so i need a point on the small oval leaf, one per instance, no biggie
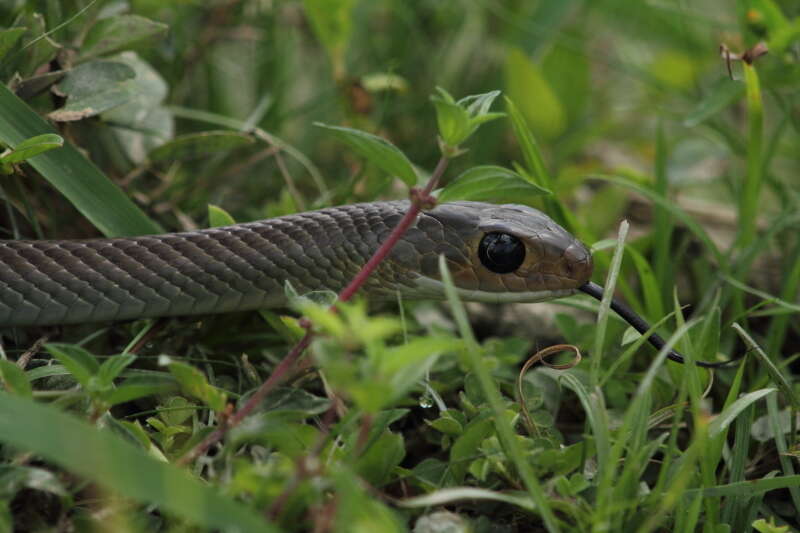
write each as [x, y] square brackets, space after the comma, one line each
[119, 33]
[14, 379]
[218, 217]
[193, 382]
[377, 151]
[492, 183]
[80, 363]
[33, 146]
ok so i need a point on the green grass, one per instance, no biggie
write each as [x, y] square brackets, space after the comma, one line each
[623, 110]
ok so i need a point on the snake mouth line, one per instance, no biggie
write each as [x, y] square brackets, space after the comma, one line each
[432, 287]
[639, 324]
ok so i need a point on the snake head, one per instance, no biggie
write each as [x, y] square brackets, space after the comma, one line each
[497, 253]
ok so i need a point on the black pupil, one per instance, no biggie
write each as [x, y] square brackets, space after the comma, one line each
[501, 253]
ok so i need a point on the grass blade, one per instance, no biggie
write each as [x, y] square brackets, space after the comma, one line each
[749, 488]
[605, 304]
[749, 192]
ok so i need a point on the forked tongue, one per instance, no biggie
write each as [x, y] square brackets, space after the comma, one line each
[596, 291]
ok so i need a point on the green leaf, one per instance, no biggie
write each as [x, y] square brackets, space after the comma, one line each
[650, 287]
[377, 463]
[358, 511]
[762, 526]
[492, 183]
[596, 414]
[8, 38]
[80, 363]
[94, 87]
[729, 414]
[46, 372]
[14, 379]
[465, 448]
[377, 151]
[121, 32]
[97, 198]
[459, 120]
[529, 147]
[176, 410]
[415, 351]
[193, 382]
[113, 367]
[708, 345]
[526, 85]
[291, 401]
[193, 145]
[140, 386]
[39, 49]
[143, 123]
[33, 146]
[275, 431]
[446, 425]
[120, 466]
[452, 119]
[218, 217]
[403, 366]
[478, 105]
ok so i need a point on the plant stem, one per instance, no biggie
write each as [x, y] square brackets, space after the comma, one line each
[396, 235]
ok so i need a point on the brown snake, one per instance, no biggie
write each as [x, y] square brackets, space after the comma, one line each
[246, 266]
[496, 253]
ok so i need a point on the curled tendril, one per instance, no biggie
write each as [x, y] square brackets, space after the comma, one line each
[539, 357]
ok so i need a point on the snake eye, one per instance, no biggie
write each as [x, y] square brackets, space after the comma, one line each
[501, 253]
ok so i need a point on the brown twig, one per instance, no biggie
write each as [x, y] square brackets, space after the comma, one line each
[748, 56]
[419, 199]
[540, 357]
[26, 357]
[154, 330]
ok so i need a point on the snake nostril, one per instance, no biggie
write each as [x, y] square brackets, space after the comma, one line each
[578, 262]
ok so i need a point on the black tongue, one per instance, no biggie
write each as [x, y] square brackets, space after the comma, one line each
[596, 291]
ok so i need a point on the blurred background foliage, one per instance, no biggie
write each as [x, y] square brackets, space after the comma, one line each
[636, 111]
[594, 79]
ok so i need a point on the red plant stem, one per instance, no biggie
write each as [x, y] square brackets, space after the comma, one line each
[396, 235]
[286, 364]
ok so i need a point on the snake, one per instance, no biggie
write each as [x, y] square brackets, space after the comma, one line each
[495, 254]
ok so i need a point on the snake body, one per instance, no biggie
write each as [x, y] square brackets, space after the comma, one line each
[246, 266]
